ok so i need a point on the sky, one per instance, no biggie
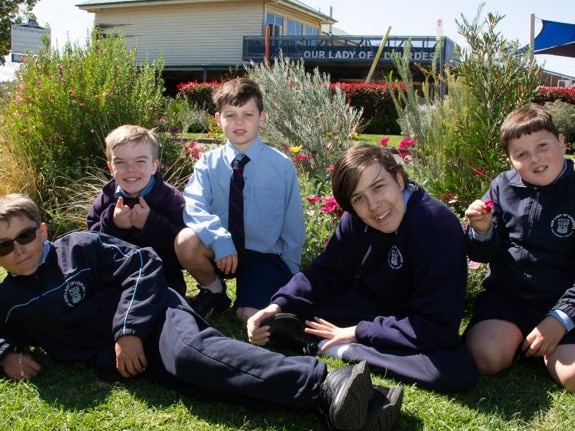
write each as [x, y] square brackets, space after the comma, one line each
[366, 17]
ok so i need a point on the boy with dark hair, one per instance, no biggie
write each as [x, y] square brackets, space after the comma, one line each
[524, 228]
[95, 299]
[137, 205]
[389, 288]
[243, 210]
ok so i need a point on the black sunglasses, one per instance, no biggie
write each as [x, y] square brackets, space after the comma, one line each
[24, 237]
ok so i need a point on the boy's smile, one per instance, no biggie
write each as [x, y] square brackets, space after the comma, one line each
[538, 157]
[378, 199]
[132, 166]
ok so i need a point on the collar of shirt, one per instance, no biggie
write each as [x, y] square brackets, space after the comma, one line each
[143, 193]
[252, 152]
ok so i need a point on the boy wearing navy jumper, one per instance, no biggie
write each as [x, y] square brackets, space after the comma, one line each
[389, 288]
[524, 228]
[95, 299]
[137, 205]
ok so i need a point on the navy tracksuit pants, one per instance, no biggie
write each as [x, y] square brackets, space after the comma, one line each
[191, 357]
[445, 370]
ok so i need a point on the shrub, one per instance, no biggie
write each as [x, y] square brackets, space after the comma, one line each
[564, 118]
[66, 102]
[379, 115]
[305, 114]
[321, 216]
[457, 152]
[199, 94]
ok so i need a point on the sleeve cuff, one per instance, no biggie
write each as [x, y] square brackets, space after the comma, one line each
[563, 318]
[482, 238]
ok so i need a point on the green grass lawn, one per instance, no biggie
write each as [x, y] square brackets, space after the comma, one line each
[71, 398]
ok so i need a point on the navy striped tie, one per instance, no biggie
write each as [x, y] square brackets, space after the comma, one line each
[236, 208]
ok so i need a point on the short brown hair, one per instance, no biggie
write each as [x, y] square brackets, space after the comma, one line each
[524, 121]
[352, 163]
[16, 205]
[237, 92]
[130, 133]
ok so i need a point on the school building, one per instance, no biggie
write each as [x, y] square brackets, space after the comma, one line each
[211, 39]
[207, 40]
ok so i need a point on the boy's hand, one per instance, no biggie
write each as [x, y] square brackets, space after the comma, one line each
[130, 358]
[480, 216]
[19, 366]
[543, 339]
[323, 329]
[228, 264]
[140, 213]
[122, 215]
[257, 334]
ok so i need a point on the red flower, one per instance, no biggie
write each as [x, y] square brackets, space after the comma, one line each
[314, 199]
[449, 197]
[301, 157]
[330, 205]
[479, 171]
[489, 204]
[383, 142]
[406, 143]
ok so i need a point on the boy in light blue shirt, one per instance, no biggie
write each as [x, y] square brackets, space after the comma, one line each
[269, 251]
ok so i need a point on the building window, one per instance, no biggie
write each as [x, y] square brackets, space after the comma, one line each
[294, 28]
[311, 31]
[276, 24]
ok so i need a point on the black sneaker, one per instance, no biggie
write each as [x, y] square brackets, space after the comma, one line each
[287, 331]
[206, 302]
[384, 408]
[345, 396]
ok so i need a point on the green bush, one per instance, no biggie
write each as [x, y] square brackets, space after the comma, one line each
[66, 102]
[374, 100]
[305, 114]
[457, 151]
[199, 94]
[564, 118]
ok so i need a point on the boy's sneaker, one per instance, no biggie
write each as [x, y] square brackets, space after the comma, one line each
[288, 331]
[384, 408]
[206, 302]
[344, 398]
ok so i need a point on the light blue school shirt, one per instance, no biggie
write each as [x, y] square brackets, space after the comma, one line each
[273, 210]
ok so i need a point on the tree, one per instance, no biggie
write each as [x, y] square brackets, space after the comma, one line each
[12, 12]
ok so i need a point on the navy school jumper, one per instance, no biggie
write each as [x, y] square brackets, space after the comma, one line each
[93, 288]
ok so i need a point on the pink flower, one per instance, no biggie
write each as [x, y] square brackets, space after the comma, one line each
[329, 168]
[330, 205]
[473, 265]
[193, 149]
[314, 199]
[489, 204]
[327, 145]
[301, 157]
[406, 143]
[383, 142]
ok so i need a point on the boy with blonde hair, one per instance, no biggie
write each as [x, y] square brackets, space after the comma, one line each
[137, 205]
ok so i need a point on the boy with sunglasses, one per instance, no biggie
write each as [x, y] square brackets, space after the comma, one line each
[94, 299]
